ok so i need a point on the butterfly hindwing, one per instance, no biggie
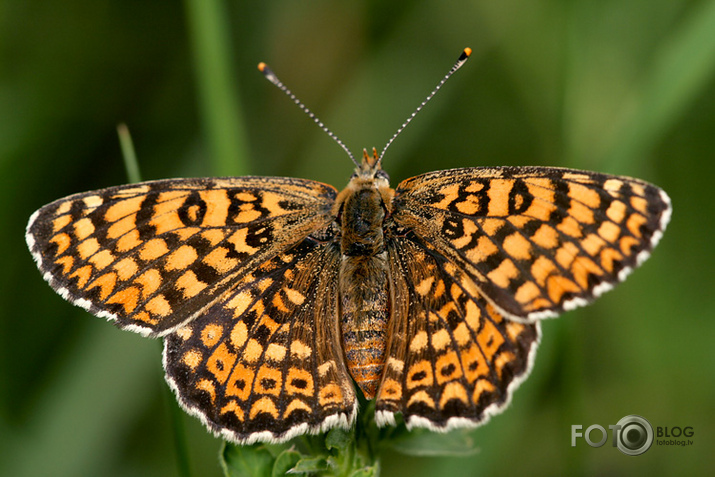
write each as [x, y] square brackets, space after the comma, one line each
[536, 241]
[264, 362]
[453, 360]
[150, 256]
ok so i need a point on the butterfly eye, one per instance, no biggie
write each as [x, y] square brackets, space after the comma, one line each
[382, 175]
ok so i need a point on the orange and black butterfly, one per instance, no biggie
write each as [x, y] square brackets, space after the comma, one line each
[275, 295]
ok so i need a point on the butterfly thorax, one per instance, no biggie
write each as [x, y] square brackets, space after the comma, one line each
[361, 210]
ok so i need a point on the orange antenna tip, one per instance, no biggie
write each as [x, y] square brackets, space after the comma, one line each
[468, 51]
[270, 76]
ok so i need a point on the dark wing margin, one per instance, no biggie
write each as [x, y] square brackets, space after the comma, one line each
[264, 363]
[537, 241]
[153, 255]
[453, 360]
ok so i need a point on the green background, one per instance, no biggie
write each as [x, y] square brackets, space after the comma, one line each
[618, 86]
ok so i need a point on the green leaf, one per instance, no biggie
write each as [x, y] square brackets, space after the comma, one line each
[247, 461]
[372, 471]
[285, 462]
[309, 465]
[423, 443]
[338, 438]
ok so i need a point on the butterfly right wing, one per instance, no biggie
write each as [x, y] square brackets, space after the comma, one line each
[151, 256]
[265, 362]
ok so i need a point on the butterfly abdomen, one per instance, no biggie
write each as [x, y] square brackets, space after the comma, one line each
[364, 286]
[364, 301]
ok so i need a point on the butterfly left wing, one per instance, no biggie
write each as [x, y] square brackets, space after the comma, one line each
[151, 256]
[264, 362]
[452, 359]
[536, 241]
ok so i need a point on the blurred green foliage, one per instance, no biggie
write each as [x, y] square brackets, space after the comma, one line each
[619, 86]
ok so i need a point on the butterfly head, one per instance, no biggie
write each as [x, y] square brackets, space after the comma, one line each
[370, 170]
[368, 176]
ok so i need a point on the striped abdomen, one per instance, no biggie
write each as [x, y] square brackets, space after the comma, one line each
[364, 300]
[364, 285]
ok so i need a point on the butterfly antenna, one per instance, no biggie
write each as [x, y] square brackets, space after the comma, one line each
[271, 76]
[460, 61]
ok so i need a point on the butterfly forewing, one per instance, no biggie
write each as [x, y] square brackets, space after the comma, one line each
[535, 241]
[152, 255]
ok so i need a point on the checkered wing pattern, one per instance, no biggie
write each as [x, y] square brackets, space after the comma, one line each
[453, 359]
[153, 256]
[242, 278]
[265, 362]
[535, 241]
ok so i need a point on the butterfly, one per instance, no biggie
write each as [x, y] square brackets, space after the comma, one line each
[280, 299]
